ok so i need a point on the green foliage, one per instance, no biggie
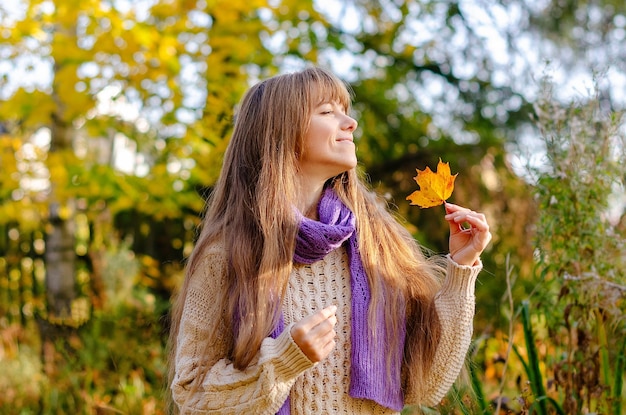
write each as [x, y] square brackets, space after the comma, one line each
[579, 243]
[478, 390]
[531, 366]
[620, 367]
[580, 263]
[572, 356]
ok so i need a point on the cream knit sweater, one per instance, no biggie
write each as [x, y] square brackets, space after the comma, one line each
[281, 369]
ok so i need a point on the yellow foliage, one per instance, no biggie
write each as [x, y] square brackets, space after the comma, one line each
[65, 79]
[168, 49]
[145, 36]
[60, 179]
[31, 109]
[8, 147]
[164, 9]
[28, 28]
[143, 58]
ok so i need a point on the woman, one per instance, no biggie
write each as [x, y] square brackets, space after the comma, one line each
[303, 294]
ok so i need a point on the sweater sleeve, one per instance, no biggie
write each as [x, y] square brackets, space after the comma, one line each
[455, 304]
[202, 345]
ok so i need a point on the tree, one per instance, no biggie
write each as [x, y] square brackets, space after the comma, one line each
[118, 75]
[164, 80]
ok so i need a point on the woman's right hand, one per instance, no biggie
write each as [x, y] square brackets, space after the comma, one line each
[315, 334]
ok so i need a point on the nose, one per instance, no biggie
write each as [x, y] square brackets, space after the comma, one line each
[350, 123]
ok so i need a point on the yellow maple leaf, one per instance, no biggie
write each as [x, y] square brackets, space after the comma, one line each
[435, 188]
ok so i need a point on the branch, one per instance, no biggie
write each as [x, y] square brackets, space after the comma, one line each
[586, 276]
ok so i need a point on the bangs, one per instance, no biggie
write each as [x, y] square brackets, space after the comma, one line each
[327, 87]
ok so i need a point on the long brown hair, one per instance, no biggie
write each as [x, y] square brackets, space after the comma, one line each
[251, 210]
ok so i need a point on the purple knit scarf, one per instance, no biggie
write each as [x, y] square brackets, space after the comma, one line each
[368, 373]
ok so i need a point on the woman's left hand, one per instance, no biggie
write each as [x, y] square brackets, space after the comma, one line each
[466, 243]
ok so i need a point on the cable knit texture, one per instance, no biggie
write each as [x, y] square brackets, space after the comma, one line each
[368, 368]
[281, 372]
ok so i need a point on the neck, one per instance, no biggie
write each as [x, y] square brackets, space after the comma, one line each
[309, 192]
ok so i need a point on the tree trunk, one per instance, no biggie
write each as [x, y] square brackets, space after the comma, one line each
[60, 264]
[60, 256]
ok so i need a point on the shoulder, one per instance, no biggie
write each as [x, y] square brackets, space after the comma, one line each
[214, 250]
[210, 266]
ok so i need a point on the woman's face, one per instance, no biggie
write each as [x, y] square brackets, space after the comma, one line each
[329, 149]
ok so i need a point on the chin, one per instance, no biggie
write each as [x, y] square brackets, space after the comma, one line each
[346, 169]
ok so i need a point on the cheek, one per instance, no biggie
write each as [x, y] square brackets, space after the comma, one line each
[328, 131]
[317, 133]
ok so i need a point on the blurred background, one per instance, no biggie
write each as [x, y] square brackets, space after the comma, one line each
[114, 115]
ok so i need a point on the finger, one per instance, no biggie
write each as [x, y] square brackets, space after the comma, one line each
[320, 349]
[313, 320]
[328, 346]
[457, 215]
[317, 343]
[469, 216]
[324, 338]
[477, 221]
[324, 327]
[451, 208]
[318, 336]
[329, 311]
[456, 220]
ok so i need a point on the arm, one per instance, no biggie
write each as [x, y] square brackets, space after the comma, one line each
[455, 302]
[455, 305]
[203, 343]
